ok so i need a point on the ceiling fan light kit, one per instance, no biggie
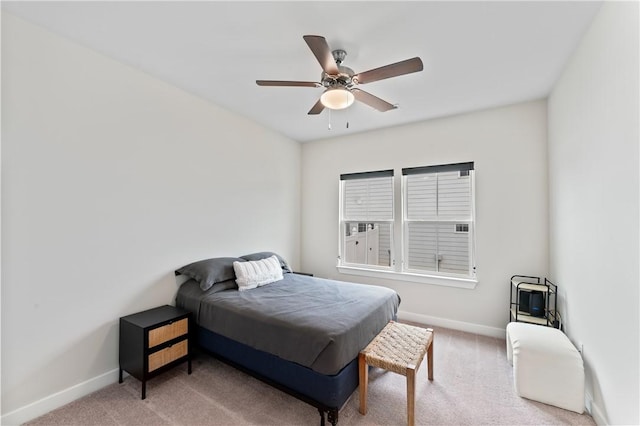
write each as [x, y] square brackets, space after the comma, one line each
[337, 98]
[340, 81]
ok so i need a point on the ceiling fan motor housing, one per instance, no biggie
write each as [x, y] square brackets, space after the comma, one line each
[344, 76]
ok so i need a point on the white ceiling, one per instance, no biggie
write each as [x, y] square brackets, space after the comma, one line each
[476, 54]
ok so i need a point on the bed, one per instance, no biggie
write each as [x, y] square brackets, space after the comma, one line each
[299, 333]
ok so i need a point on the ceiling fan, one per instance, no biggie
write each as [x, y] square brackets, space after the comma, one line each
[341, 82]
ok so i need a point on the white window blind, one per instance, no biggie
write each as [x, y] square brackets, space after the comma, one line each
[368, 198]
[438, 219]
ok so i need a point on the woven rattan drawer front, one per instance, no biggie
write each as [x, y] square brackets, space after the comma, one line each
[165, 356]
[167, 332]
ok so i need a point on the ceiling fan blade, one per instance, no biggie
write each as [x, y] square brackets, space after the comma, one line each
[320, 49]
[372, 101]
[287, 83]
[392, 70]
[317, 108]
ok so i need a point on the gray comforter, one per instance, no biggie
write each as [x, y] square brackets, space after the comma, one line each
[321, 324]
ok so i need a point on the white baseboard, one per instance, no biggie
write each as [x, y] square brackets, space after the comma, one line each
[455, 325]
[58, 399]
[595, 411]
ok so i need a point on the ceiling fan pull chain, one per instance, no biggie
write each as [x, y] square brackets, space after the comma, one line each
[329, 128]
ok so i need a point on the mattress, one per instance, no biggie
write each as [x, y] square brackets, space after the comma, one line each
[317, 323]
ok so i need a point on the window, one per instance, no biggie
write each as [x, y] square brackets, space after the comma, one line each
[434, 224]
[366, 222]
[438, 213]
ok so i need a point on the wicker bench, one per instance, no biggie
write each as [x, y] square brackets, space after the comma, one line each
[399, 348]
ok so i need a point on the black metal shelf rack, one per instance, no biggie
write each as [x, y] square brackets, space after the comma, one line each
[524, 289]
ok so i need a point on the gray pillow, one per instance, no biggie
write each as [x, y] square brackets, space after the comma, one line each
[210, 271]
[222, 286]
[264, 254]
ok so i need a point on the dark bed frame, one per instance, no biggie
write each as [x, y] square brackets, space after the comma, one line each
[327, 393]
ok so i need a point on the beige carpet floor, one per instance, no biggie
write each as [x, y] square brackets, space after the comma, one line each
[473, 386]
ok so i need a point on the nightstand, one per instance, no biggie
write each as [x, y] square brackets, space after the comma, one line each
[154, 341]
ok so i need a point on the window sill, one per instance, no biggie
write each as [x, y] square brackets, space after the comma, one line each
[467, 283]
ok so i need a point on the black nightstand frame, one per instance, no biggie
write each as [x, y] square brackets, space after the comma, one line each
[134, 342]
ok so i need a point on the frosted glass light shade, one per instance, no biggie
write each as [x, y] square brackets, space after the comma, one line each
[337, 98]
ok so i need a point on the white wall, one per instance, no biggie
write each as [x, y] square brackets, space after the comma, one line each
[508, 146]
[594, 213]
[110, 181]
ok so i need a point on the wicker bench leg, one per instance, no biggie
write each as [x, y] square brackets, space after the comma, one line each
[363, 381]
[430, 357]
[411, 396]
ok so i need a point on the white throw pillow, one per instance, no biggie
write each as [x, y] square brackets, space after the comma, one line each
[257, 273]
